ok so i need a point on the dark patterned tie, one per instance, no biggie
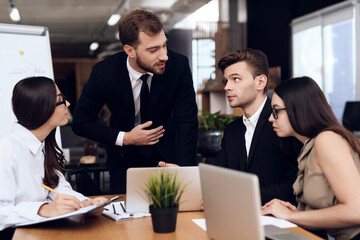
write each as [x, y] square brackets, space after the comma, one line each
[144, 99]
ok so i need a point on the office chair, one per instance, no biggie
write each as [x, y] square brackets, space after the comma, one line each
[351, 117]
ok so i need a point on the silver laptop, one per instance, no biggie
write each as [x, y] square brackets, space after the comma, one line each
[232, 206]
[137, 201]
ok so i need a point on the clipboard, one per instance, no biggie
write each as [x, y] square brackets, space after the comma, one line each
[70, 214]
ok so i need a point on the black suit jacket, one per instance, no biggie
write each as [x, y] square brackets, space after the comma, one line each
[275, 171]
[172, 104]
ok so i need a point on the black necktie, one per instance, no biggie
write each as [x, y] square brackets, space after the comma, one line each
[146, 151]
[144, 99]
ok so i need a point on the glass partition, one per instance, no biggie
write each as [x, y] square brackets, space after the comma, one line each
[307, 56]
[339, 65]
[323, 47]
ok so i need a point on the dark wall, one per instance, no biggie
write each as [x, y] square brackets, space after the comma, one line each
[268, 27]
[180, 41]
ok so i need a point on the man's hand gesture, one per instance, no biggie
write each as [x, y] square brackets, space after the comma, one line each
[140, 136]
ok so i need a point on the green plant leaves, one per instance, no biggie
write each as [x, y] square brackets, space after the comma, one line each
[164, 189]
[213, 121]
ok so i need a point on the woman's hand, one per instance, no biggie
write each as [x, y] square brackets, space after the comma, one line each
[62, 204]
[94, 201]
[279, 209]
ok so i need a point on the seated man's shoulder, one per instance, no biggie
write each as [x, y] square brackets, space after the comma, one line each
[234, 124]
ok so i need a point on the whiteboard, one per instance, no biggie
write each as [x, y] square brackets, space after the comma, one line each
[24, 52]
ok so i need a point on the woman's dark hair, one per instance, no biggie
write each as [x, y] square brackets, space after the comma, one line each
[309, 112]
[33, 102]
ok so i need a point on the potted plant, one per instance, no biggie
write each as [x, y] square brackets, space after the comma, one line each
[211, 127]
[165, 191]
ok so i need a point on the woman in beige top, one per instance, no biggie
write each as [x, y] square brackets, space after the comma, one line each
[328, 184]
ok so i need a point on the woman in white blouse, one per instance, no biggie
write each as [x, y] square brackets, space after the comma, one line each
[30, 156]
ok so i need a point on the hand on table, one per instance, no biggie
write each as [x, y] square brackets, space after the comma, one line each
[93, 201]
[279, 209]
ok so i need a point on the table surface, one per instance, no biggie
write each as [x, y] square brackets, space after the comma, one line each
[92, 227]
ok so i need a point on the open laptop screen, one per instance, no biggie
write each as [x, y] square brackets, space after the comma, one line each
[137, 201]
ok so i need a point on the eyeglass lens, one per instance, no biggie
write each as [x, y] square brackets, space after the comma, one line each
[62, 100]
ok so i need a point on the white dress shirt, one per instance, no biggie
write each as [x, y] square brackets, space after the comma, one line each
[136, 83]
[21, 175]
[250, 124]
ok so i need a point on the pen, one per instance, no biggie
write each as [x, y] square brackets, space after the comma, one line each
[114, 209]
[50, 189]
[122, 206]
[56, 192]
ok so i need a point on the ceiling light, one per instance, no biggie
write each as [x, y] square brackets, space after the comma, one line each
[94, 46]
[164, 17]
[113, 19]
[14, 13]
[155, 4]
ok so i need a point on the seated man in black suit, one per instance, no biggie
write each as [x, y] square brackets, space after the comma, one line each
[249, 143]
[150, 94]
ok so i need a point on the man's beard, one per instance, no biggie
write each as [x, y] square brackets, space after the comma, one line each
[151, 69]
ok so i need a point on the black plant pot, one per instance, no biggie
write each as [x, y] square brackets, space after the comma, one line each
[164, 219]
[209, 142]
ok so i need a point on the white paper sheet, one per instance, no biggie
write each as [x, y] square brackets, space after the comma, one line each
[265, 220]
[201, 222]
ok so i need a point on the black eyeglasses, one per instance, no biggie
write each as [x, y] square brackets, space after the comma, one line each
[62, 100]
[275, 112]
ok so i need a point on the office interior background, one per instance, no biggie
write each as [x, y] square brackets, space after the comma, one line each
[300, 37]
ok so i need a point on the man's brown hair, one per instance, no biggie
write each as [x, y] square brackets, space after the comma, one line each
[135, 22]
[256, 60]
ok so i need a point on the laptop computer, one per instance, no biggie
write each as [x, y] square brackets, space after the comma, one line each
[137, 201]
[232, 206]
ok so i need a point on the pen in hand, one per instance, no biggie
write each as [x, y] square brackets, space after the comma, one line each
[56, 192]
[50, 189]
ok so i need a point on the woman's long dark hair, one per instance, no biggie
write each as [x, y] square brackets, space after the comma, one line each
[309, 112]
[34, 101]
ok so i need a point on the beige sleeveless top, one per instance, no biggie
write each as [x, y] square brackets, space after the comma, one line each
[313, 191]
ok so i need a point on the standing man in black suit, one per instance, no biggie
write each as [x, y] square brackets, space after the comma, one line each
[150, 94]
[249, 143]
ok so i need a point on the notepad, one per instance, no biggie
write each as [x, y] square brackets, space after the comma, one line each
[116, 212]
[70, 214]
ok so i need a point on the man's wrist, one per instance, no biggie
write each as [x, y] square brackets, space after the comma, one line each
[125, 139]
